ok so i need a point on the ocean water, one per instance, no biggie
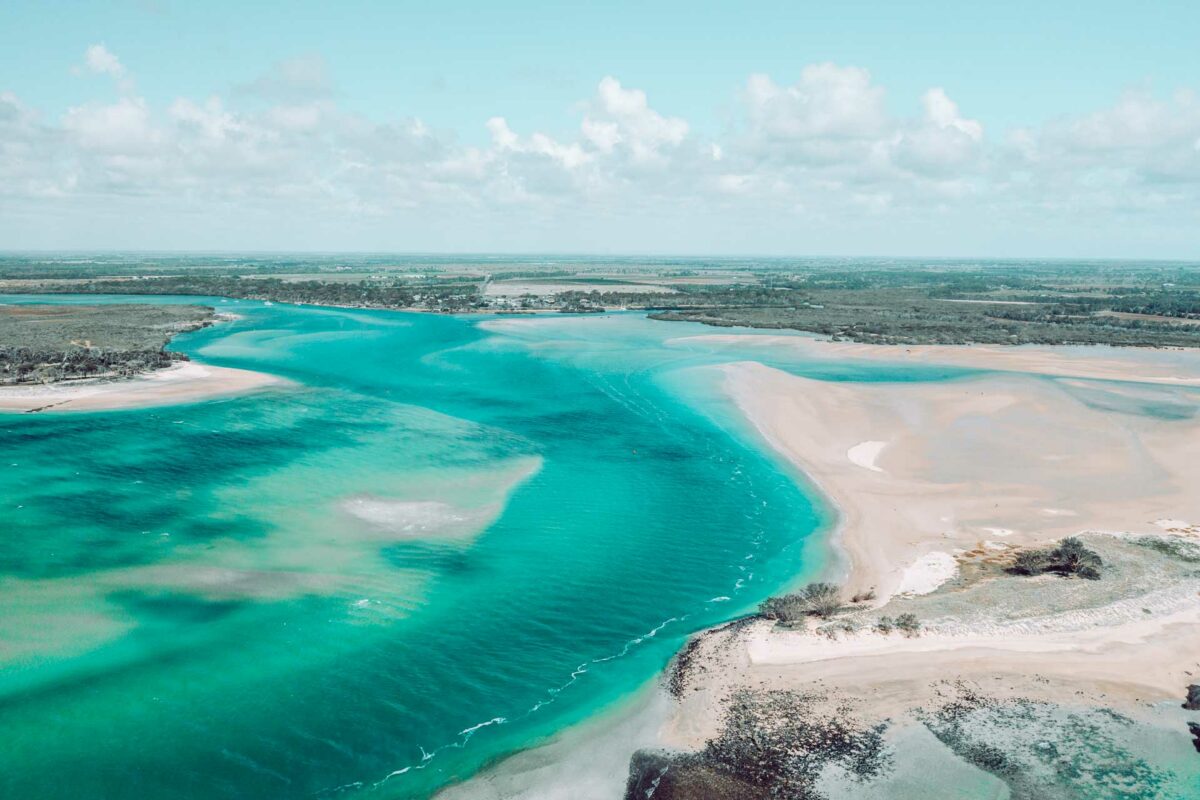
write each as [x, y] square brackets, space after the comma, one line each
[445, 540]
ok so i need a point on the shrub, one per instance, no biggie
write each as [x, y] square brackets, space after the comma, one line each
[1030, 562]
[1072, 558]
[815, 600]
[908, 624]
[787, 608]
[1069, 557]
[824, 599]
[832, 629]
[885, 625]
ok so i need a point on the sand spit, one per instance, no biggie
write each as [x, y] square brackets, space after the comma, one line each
[969, 460]
[1010, 685]
[185, 382]
[1001, 664]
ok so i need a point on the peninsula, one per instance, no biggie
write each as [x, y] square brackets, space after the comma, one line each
[101, 357]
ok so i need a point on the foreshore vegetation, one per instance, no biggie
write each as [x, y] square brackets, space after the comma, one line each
[48, 343]
[898, 302]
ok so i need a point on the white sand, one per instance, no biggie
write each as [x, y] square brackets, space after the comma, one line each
[185, 382]
[1002, 455]
[927, 573]
[969, 460]
[864, 454]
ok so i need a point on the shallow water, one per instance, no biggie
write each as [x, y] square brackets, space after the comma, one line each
[448, 539]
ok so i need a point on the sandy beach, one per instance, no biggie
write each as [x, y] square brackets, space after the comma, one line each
[918, 469]
[934, 485]
[185, 382]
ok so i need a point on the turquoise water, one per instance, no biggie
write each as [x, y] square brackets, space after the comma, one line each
[446, 539]
[443, 541]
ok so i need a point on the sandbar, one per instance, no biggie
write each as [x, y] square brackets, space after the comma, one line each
[185, 382]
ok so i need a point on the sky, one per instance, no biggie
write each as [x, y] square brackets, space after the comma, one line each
[1021, 129]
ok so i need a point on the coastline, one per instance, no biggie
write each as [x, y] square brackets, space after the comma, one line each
[184, 382]
[1166, 366]
[935, 485]
[954, 464]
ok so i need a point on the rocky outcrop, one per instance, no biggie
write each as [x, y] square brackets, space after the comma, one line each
[667, 776]
[1193, 698]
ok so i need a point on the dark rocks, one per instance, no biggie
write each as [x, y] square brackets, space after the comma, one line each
[774, 743]
[684, 666]
[1193, 698]
[688, 662]
[667, 776]
[783, 741]
[1194, 730]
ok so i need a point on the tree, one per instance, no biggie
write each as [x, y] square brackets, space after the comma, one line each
[814, 600]
[908, 624]
[1072, 558]
[1069, 557]
[1030, 562]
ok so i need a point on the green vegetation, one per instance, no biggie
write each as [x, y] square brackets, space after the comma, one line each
[448, 297]
[46, 343]
[1175, 547]
[1069, 557]
[864, 300]
[906, 623]
[814, 600]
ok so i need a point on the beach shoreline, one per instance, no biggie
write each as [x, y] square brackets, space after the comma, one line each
[181, 383]
[935, 485]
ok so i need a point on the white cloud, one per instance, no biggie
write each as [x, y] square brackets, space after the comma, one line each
[827, 102]
[502, 135]
[121, 127]
[620, 116]
[823, 152]
[100, 60]
[943, 113]
[942, 143]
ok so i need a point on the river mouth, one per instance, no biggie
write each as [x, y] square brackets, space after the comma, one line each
[444, 542]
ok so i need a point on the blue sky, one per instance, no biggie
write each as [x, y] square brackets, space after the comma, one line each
[1031, 79]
